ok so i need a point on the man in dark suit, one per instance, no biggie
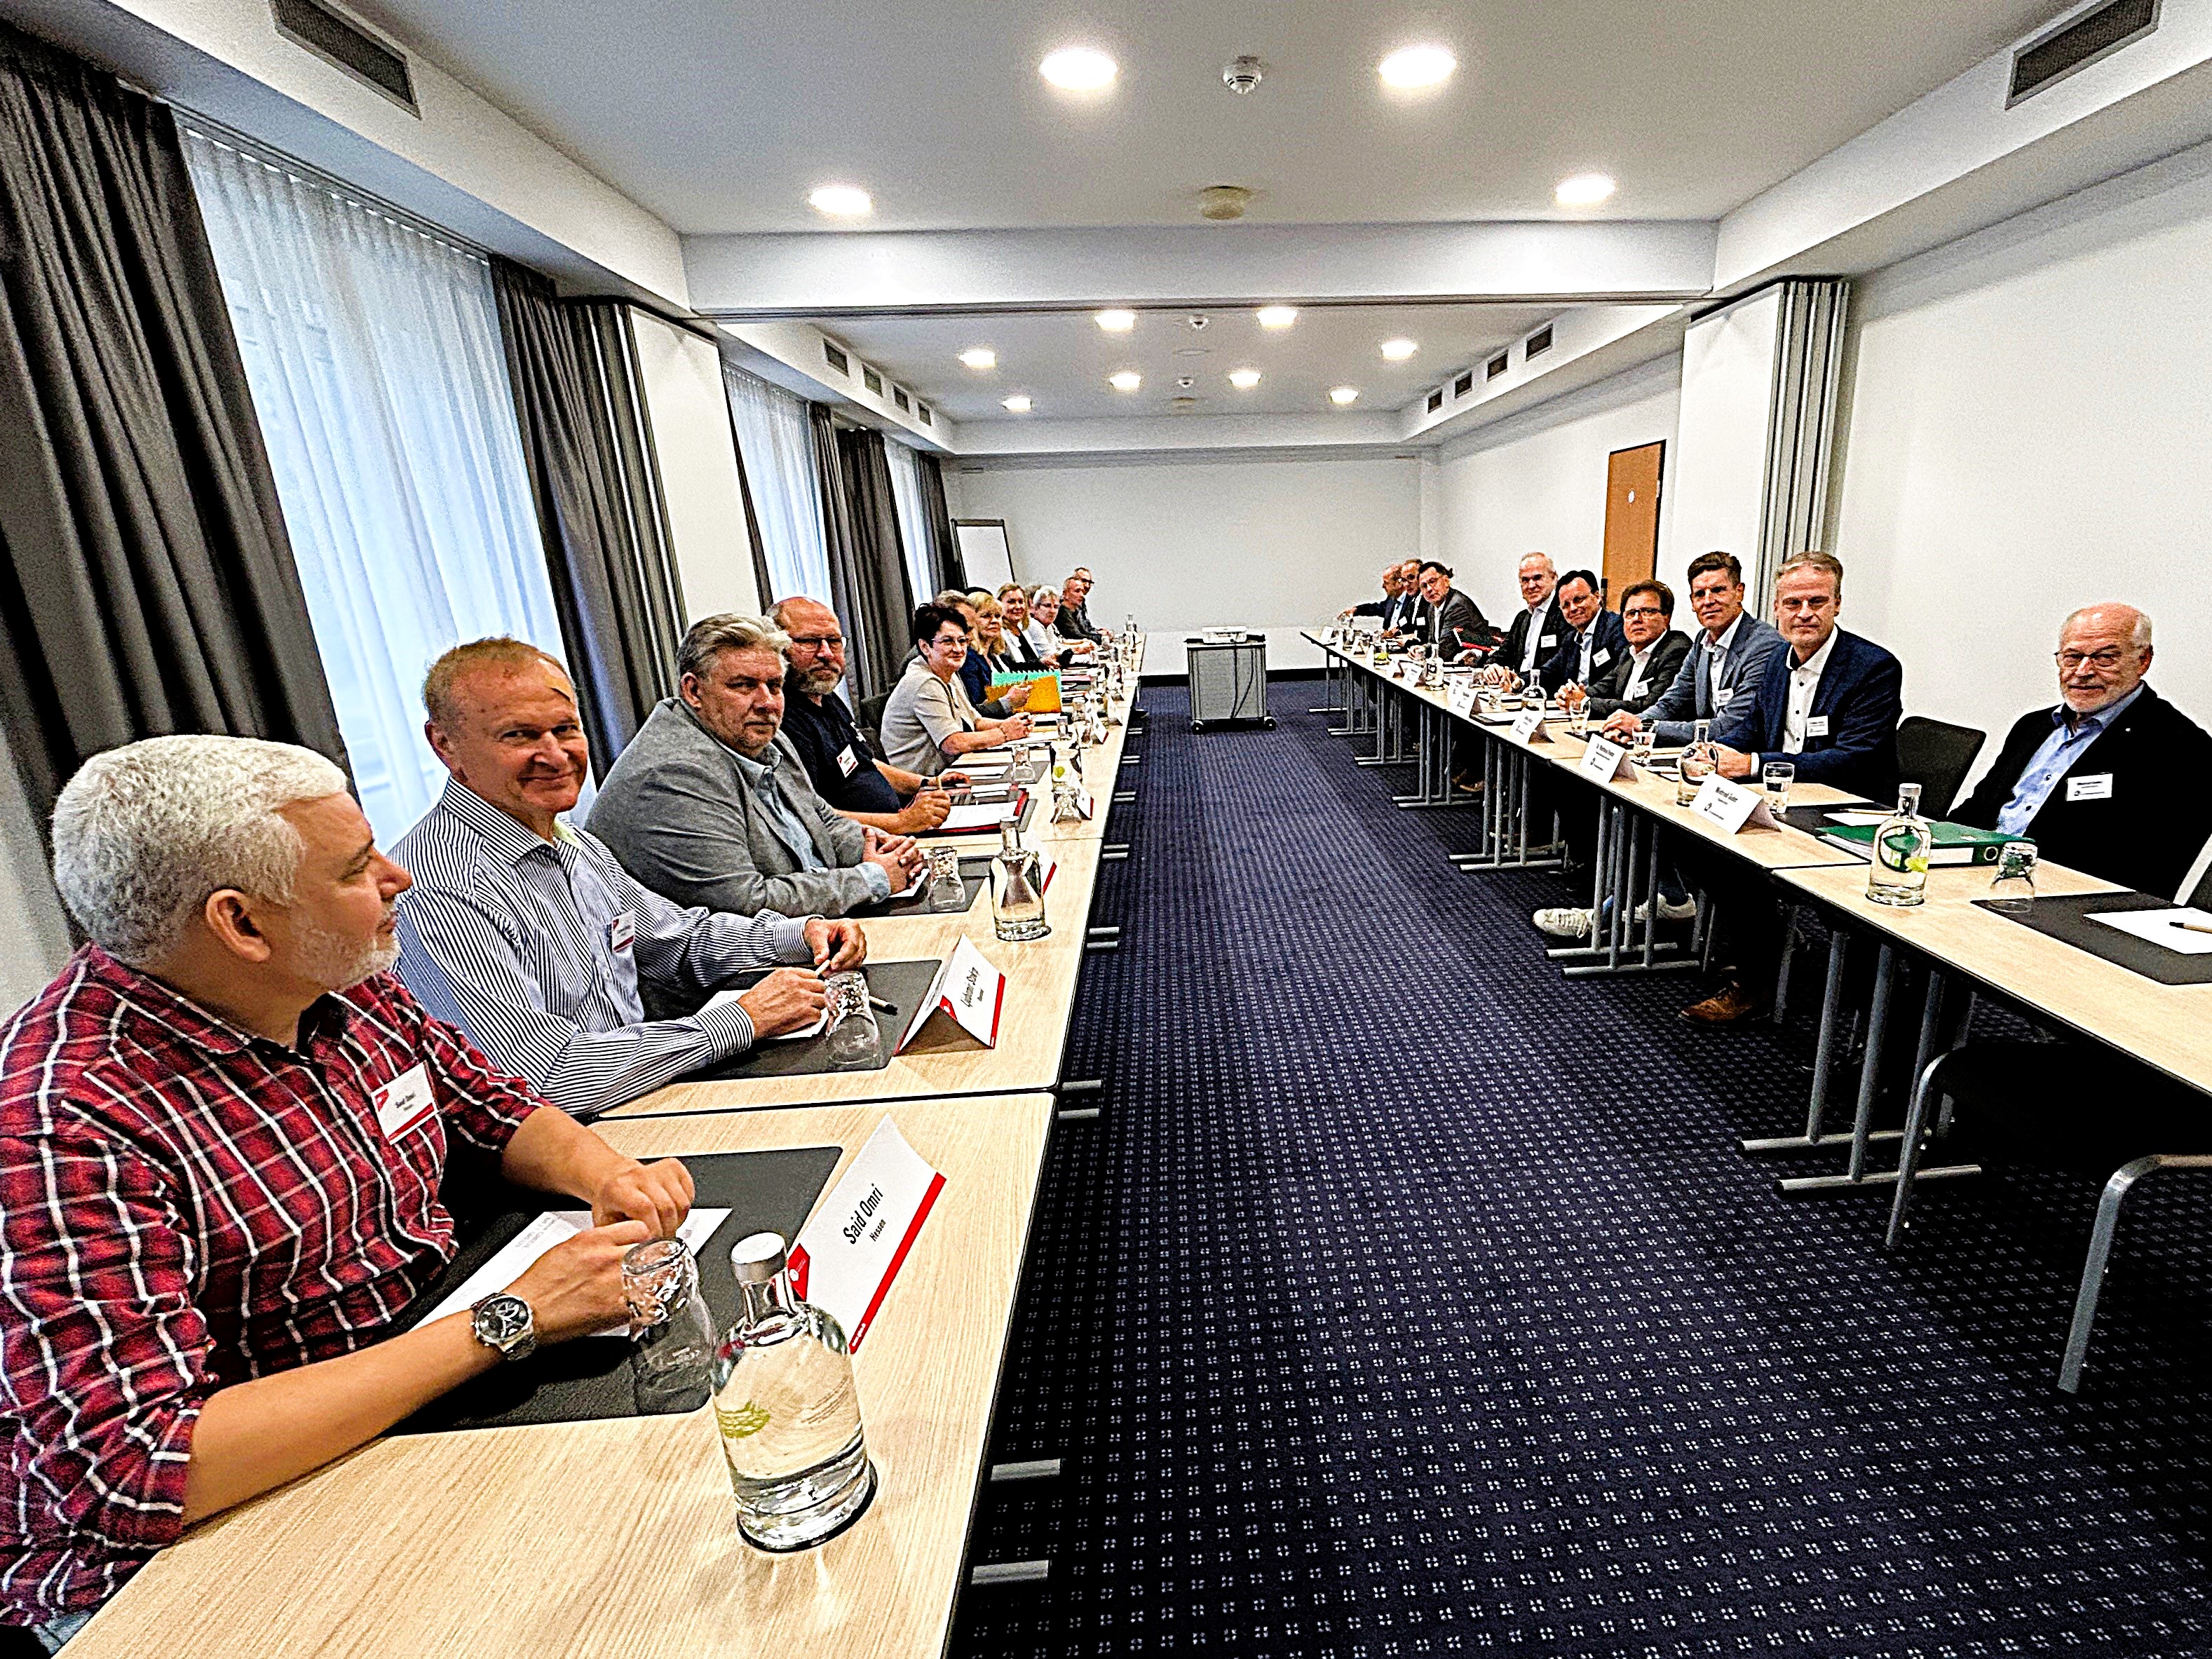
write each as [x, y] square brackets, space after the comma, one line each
[1590, 642]
[1450, 623]
[1729, 660]
[1396, 579]
[2115, 781]
[1655, 652]
[1537, 630]
[1830, 704]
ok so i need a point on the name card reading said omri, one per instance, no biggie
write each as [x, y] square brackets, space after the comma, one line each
[852, 1247]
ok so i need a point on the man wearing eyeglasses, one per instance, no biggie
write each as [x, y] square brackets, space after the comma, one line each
[839, 760]
[929, 722]
[1653, 657]
[2114, 781]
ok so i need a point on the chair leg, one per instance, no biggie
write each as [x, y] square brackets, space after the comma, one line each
[2101, 1253]
[1908, 1155]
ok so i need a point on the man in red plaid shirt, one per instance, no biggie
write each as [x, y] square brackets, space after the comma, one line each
[223, 1129]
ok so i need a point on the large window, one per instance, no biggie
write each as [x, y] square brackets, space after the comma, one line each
[914, 522]
[777, 448]
[373, 351]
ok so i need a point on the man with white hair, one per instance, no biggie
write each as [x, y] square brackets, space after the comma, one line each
[222, 1131]
[2115, 781]
[527, 932]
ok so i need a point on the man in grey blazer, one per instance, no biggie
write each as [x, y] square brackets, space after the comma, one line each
[711, 805]
[1723, 670]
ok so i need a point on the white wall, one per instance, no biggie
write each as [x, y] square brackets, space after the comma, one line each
[1185, 544]
[1535, 481]
[1719, 482]
[697, 453]
[2028, 411]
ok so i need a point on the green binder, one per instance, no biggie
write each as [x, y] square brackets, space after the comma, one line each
[1955, 843]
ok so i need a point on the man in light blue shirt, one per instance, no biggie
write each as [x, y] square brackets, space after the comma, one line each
[531, 937]
[2071, 735]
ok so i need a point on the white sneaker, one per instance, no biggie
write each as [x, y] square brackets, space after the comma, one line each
[1670, 911]
[1562, 922]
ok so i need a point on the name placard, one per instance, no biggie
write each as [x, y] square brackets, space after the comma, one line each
[967, 994]
[852, 1247]
[1529, 726]
[1460, 699]
[1604, 761]
[1731, 805]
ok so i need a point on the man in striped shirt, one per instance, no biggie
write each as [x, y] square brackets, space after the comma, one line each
[223, 1129]
[527, 933]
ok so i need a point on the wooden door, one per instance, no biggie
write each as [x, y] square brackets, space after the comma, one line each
[1631, 516]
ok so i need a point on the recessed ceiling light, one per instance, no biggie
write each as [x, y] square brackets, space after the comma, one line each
[980, 357]
[1584, 189]
[841, 201]
[1243, 379]
[1117, 322]
[1277, 316]
[1344, 394]
[1417, 66]
[1020, 402]
[1398, 351]
[1125, 379]
[1078, 68]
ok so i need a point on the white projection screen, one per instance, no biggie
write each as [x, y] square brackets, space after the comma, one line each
[984, 554]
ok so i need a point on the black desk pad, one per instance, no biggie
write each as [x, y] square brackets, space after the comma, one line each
[1814, 819]
[975, 877]
[2068, 919]
[1021, 819]
[904, 983]
[589, 1377]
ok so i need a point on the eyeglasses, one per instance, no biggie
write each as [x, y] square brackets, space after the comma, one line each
[944, 640]
[824, 641]
[2108, 659]
[1643, 610]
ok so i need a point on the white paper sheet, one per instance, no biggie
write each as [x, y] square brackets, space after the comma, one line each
[556, 1227]
[1855, 820]
[978, 815]
[722, 998]
[2158, 927]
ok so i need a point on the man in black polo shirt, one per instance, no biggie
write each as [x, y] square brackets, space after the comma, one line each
[837, 755]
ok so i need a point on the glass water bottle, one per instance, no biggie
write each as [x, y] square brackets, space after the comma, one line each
[788, 1409]
[1017, 888]
[1898, 874]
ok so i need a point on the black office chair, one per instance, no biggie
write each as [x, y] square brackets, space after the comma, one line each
[1937, 756]
[871, 718]
[2065, 1106]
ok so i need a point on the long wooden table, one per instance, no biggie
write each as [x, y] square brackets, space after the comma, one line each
[612, 1538]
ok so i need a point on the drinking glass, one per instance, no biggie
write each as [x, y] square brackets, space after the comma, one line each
[1641, 742]
[853, 1038]
[671, 1341]
[2013, 888]
[946, 890]
[1778, 776]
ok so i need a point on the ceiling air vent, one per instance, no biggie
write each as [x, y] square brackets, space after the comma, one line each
[338, 41]
[899, 396]
[1464, 384]
[1436, 400]
[1539, 343]
[2079, 43]
[836, 359]
[1497, 364]
[921, 412]
[870, 380]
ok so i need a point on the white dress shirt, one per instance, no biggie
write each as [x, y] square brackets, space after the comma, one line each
[1716, 660]
[1804, 683]
[1533, 649]
[1642, 659]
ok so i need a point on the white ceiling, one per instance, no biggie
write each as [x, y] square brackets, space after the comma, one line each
[1061, 360]
[722, 117]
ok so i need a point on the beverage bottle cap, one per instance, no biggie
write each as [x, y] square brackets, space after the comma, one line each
[757, 1258]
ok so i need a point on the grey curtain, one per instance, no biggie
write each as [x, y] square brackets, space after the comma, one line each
[945, 560]
[868, 580]
[146, 582]
[588, 444]
[763, 583]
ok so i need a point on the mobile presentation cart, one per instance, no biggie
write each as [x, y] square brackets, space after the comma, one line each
[1228, 679]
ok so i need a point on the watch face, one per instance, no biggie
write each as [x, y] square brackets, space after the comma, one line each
[502, 1320]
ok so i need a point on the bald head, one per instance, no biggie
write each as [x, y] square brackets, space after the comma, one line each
[2103, 652]
[1537, 579]
[817, 648]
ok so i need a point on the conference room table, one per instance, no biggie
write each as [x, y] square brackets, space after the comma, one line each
[615, 1537]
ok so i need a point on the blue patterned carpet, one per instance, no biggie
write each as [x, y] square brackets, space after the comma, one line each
[1410, 1300]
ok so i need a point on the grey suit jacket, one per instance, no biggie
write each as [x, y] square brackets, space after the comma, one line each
[1690, 697]
[676, 812]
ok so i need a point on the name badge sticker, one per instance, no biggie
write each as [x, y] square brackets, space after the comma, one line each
[1550, 642]
[2096, 787]
[1721, 697]
[847, 763]
[1816, 726]
[621, 931]
[404, 1102]
[1599, 658]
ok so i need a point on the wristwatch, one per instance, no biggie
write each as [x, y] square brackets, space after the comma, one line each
[502, 1322]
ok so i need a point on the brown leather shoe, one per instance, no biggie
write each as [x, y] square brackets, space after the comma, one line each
[1725, 1007]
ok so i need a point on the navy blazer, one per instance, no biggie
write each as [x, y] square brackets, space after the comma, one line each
[1562, 665]
[1862, 695]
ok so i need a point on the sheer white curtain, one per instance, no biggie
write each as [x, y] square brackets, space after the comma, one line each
[778, 452]
[913, 526]
[373, 351]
